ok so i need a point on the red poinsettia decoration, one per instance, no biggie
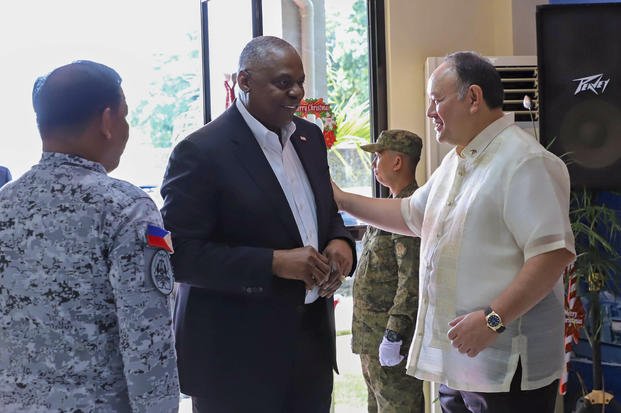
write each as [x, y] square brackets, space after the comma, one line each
[330, 138]
[323, 112]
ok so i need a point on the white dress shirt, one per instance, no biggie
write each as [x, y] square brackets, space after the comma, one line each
[481, 216]
[290, 173]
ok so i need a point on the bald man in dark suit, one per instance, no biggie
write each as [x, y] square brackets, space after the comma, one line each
[259, 247]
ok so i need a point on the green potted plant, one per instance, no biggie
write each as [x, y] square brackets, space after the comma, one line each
[595, 227]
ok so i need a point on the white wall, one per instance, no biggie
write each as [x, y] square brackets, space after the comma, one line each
[416, 29]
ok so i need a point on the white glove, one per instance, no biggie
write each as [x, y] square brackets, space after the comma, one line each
[389, 352]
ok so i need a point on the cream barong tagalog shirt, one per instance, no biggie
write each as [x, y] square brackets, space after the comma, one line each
[481, 216]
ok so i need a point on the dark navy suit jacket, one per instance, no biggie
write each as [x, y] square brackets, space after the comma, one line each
[236, 322]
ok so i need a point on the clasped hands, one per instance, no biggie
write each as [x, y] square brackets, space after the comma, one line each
[327, 270]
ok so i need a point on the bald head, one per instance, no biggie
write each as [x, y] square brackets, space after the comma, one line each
[261, 50]
[470, 68]
[271, 81]
[69, 96]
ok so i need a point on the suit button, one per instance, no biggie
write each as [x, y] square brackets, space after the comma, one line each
[249, 290]
[300, 309]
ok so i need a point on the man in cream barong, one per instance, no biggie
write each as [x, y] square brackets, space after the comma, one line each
[495, 236]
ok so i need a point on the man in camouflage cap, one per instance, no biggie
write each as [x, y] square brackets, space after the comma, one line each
[386, 287]
[85, 277]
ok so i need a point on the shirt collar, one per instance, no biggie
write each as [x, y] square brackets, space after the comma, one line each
[56, 159]
[265, 137]
[480, 142]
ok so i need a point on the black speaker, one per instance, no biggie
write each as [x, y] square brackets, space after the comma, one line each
[579, 64]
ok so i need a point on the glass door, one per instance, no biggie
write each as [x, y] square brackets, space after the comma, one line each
[155, 47]
[332, 39]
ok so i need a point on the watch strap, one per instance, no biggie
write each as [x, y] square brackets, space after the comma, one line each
[392, 336]
[493, 320]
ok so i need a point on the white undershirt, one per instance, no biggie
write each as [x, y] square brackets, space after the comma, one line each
[290, 173]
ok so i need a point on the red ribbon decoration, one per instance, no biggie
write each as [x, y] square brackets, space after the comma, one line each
[574, 321]
[230, 93]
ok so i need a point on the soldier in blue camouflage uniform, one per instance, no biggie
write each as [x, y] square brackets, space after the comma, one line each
[386, 287]
[85, 301]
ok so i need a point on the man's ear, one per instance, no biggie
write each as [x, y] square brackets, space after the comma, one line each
[475, 98]
[397, 163]
[243, 78]
[107, 120]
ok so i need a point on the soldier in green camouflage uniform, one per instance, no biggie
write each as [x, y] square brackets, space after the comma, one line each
[386, 287]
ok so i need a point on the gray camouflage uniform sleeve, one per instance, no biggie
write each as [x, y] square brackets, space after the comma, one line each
[402, 314]
[144, 315]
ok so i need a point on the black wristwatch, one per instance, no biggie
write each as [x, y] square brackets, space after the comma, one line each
[493, 320]
[392, 336]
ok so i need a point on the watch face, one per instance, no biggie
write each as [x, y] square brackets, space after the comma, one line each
[392, 336]
[493, 320]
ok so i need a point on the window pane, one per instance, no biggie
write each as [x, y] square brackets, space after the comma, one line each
[153, 44]
[230, 28]
[331, 36]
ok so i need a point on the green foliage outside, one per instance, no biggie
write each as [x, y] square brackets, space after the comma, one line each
[173, 100]
[172, 107]
[348, 92]
[348, 57]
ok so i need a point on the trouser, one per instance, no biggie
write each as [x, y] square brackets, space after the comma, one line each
[310, 380]
[390, 389]
[540, 400]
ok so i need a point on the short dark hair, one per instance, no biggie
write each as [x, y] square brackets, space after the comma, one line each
[71, 95]
[259, 49]
[474, 69]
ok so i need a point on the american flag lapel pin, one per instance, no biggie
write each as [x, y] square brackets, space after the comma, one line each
[303, 138]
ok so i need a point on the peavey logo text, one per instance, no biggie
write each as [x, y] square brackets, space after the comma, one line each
[593, 83]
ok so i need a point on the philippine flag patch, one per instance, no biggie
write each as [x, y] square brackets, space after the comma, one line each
[159, 238]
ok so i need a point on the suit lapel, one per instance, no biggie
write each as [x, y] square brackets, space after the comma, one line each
[252, 159]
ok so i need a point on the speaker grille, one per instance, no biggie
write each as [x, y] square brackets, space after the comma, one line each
[579, 63]
[517, 82]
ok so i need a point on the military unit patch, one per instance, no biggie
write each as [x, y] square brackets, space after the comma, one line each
[161, 272]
